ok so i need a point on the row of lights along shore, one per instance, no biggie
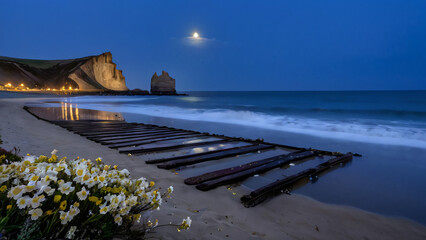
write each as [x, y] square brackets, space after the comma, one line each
[22, 88]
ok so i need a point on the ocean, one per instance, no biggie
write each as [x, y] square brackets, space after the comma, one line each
[387, 127]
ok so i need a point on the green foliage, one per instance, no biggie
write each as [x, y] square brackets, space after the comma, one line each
[7, 157]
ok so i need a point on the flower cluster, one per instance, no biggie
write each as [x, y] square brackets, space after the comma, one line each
[90, 195]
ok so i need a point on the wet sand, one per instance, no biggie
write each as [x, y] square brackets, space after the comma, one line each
[217, 214]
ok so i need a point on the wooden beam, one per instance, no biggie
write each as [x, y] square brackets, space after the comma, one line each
[214, 156]
[112, 141]
[154, 140]
[170, 147]
[239, 168]
[119, 135]
[259, 195]
[161, 160]
[248, 170]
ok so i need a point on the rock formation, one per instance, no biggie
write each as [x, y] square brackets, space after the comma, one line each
[93, 73]
[163, 84]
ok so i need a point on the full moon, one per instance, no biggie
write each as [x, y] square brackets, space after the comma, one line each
[196, 35]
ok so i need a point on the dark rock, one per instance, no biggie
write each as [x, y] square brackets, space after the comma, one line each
[163, 84]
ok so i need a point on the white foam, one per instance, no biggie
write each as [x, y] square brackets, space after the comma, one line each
[355, 131]
[106, 99]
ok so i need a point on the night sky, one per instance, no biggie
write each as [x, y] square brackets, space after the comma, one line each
[246, 45]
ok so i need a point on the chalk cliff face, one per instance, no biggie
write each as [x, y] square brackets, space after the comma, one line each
[163, 84]
[88, 73]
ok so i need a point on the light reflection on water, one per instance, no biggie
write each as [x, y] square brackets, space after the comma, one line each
[71, 112]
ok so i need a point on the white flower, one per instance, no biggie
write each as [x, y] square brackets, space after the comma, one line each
[4, 178]
[170, 189]
[23, 202]
[29, 159]
[63, 217]
[103, 209]
[72, 212]
[46, 189]
[15, 192]
[66, 188]
[35, 213]
[125, 172]
[187, 221]
[82, 195]
[54, 152]
[70, 233]
[36, 200]
[118, 219]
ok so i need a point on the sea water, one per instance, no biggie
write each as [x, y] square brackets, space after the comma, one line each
[387, 127]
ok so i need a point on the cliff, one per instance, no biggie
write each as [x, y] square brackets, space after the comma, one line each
[88, 73]
[163, 84]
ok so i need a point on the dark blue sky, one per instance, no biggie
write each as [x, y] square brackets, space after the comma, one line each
[247, 45]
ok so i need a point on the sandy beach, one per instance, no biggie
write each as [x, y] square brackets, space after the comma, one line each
[217, 214]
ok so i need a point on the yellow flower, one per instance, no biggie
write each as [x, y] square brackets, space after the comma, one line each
[115, 167]
[3, 188]
[53, 158]
[49, 212]
[106, 167]
[99, 202]
[8, 207]
[43, 158]
[63, 205]
[98, 159]
[93, 199]
[151, 184]
[76, 204]
[57, 198]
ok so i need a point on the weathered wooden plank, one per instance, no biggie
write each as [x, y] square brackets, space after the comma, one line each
[214, 156]
[139, 132]
[245, 173]
[169, 147]
[116, 140]
[161, 160]
[95, 129]
[259, 195]
[287, 158]
[144, 142]
[113, 131]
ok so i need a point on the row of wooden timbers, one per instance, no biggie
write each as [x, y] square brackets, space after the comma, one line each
[137, 138]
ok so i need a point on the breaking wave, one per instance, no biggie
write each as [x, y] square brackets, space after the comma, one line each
[392, 133]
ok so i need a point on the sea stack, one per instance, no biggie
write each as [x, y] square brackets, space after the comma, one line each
[163, 84]
[92, 73]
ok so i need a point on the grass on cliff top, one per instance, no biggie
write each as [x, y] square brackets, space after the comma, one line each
[36, 63]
